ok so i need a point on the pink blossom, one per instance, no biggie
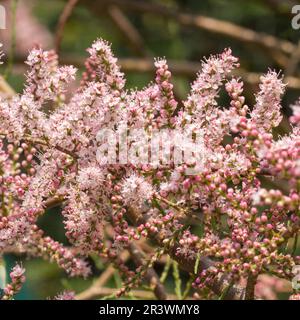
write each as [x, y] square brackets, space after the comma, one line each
[52, 158]
[17, 279]
[266, 112]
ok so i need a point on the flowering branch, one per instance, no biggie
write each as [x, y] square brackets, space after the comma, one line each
[188, 176]
[17, 280]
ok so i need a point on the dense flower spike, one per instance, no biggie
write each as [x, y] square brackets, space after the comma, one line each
[266, 112]
[17, 279]
[45, 80]
[102, 67]
[205, 88]
[220, 212]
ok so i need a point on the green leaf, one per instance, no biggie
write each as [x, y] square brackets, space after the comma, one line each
[177, 280]
[197, 264]
[165, 273]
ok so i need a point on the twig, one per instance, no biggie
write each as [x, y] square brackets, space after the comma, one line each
[187, 68]
[101, 292]
[68, 9]
[250, 288]
[133, 37]
[178, 67]
[172, 204]
[206, 23]
[177, 280]
[295, 245]
[96, 287]
[128, 30]
[151, 275]
[53, 202]
[187, 263]
[57, 147]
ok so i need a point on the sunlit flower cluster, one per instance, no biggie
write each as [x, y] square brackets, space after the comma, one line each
[238, 213]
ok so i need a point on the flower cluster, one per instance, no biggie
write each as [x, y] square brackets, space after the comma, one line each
[17, 279]
[66, 295]
[235, 216]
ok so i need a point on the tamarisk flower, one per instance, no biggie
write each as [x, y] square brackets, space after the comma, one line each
[167, 102]
[295, 297]
[245, 225]
[295, 118]
[266, 112]
[66, 295]
[134, 185]
[17, 279]
[204, 92]
[38, 245]
[102, 66]
[45, 80]
[83, 222]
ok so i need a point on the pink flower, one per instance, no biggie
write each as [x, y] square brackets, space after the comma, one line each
[66, 295]
[136, 190]
[239, 225]
[266, 112]
[17, 279]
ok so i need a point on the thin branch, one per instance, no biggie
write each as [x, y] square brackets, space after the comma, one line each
[177, 67]
[102, 292]
[187, 263]
[96, 287]
[133, 37]
[53, 202]
[187, 68]
[250, 287]
[138, 256]
[128, 30]
[65, 15]
[206, 23]
[151, 276]
[45, 143]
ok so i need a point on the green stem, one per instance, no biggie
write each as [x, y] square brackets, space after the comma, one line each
[295, 245]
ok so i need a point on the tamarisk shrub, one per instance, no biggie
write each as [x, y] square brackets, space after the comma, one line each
[243, 195]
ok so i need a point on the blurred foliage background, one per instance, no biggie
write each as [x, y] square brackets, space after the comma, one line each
[258, 31]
